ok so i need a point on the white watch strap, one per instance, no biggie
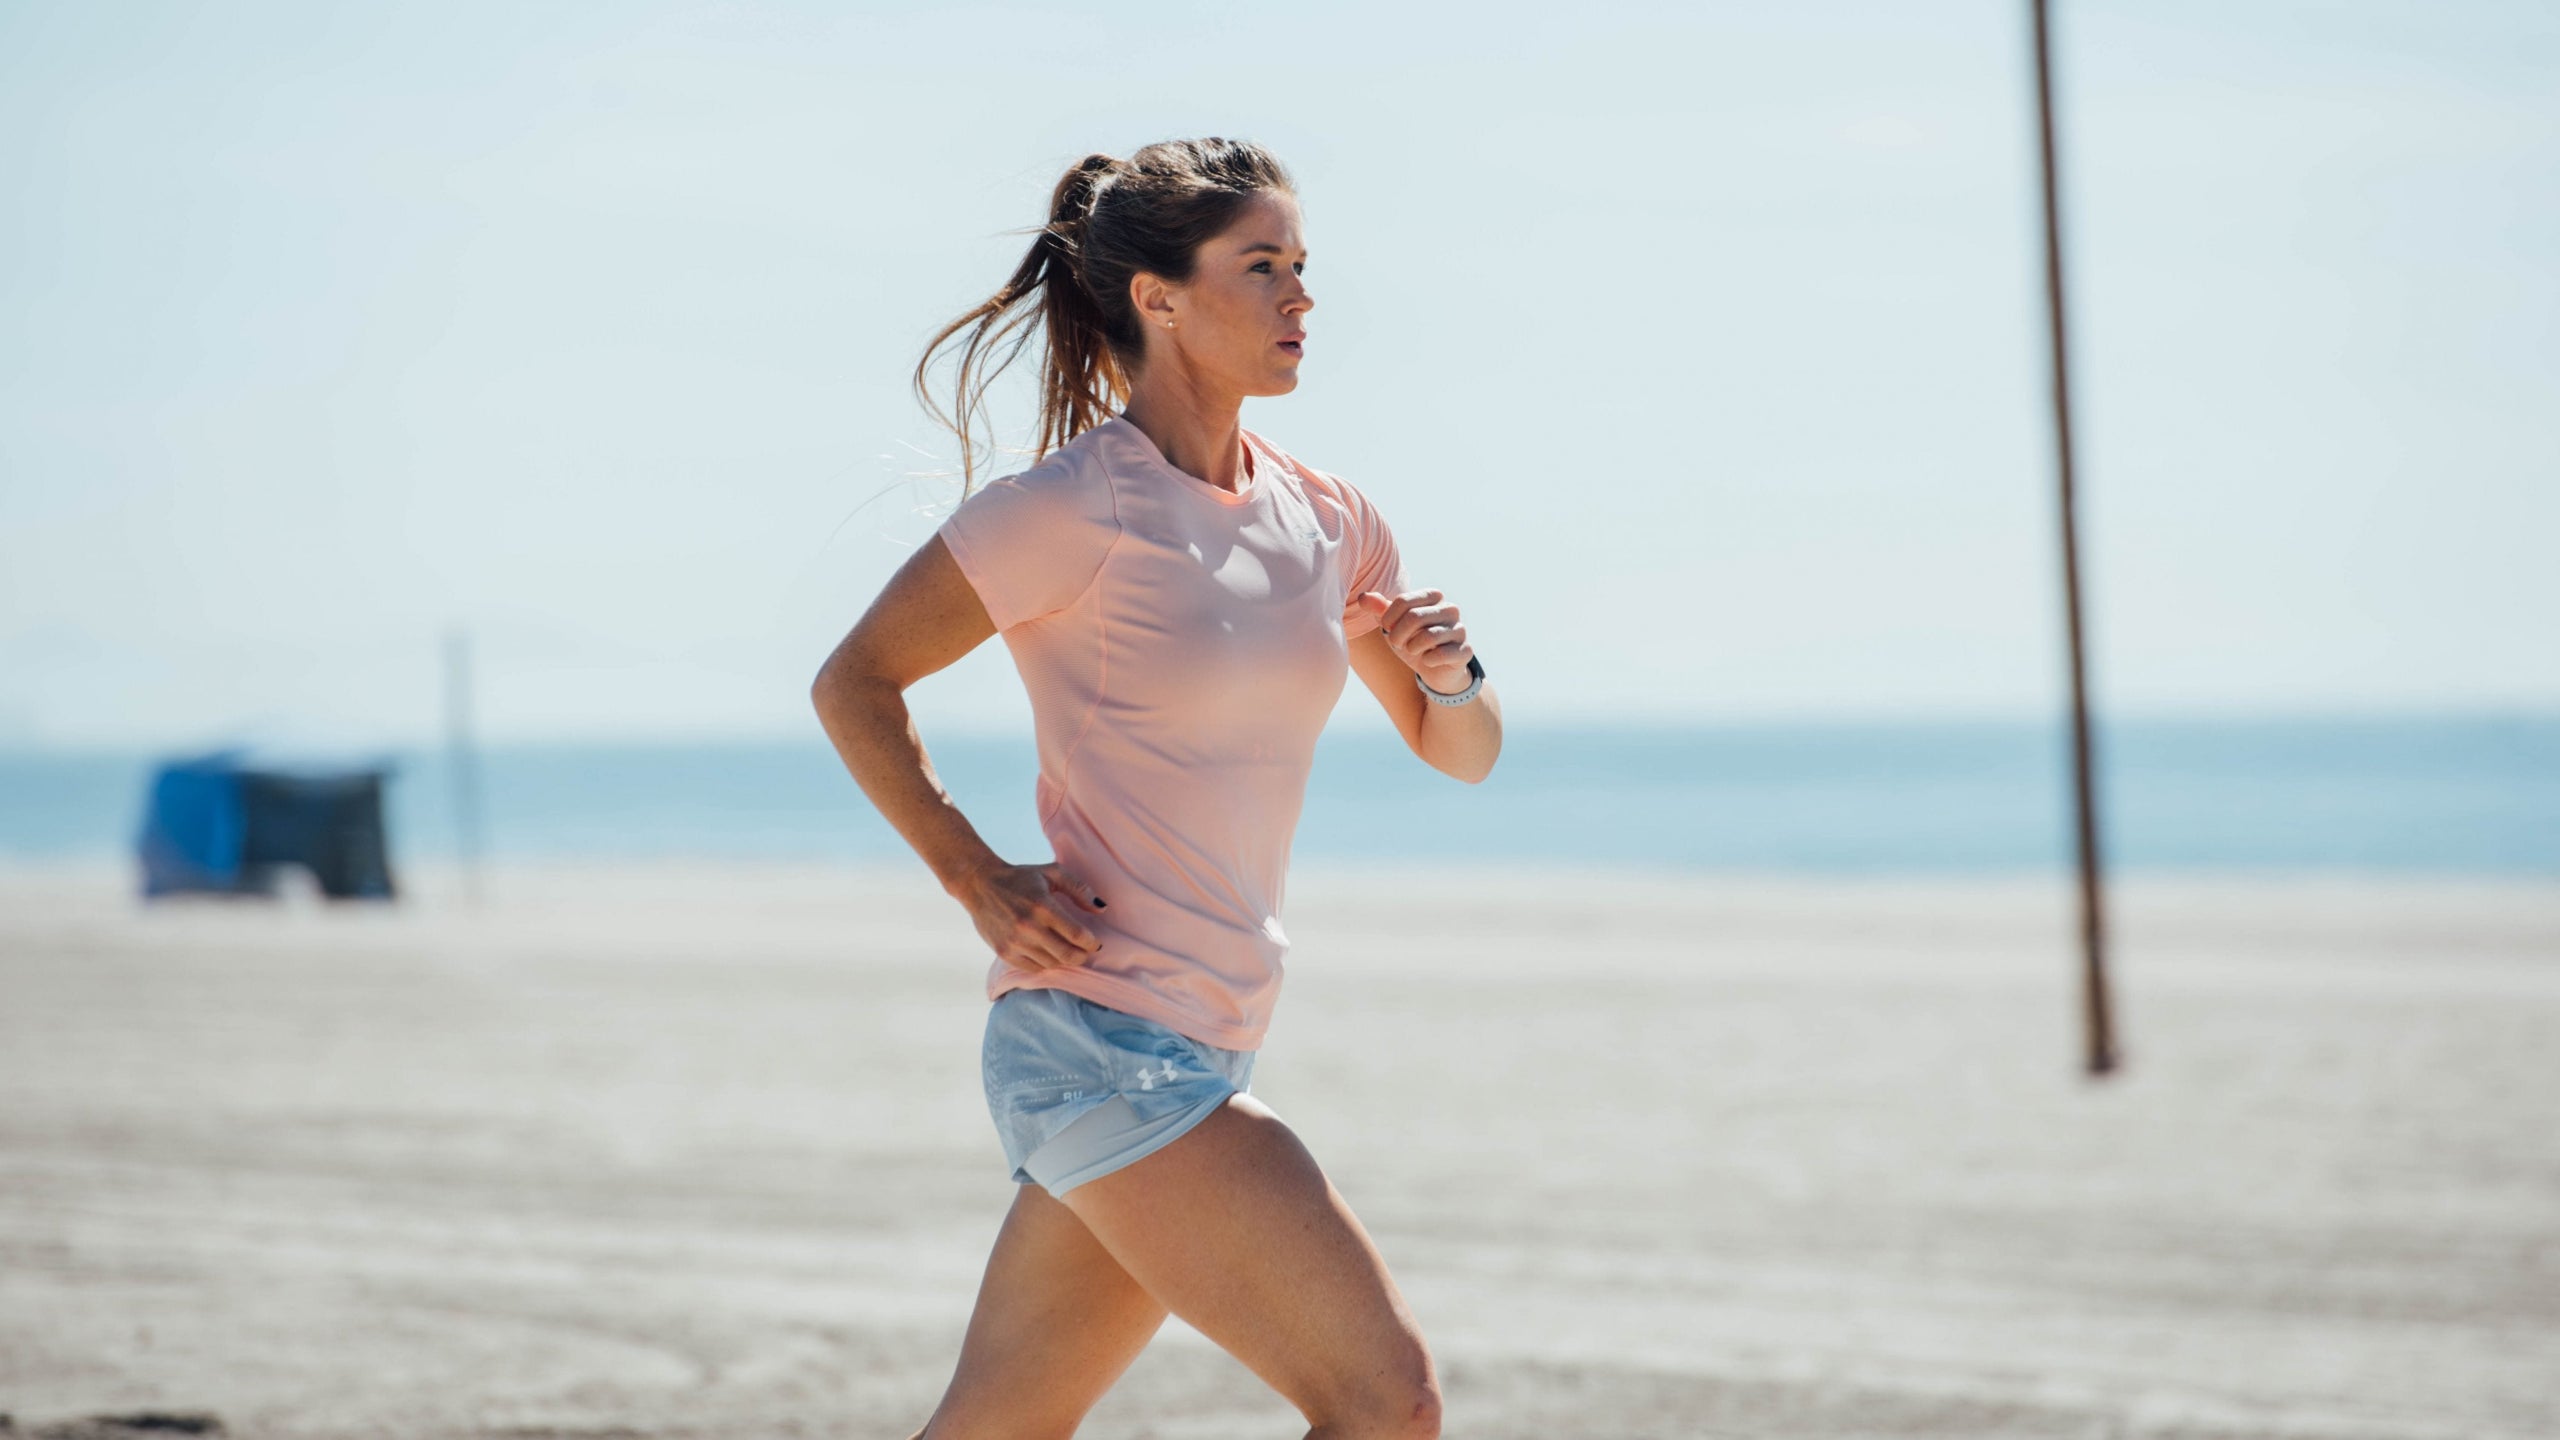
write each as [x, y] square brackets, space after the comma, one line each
[1474, 668]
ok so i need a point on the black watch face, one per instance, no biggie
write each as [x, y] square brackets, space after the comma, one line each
[1475, 667]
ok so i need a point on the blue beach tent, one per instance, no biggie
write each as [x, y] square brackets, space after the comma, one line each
[216, 824]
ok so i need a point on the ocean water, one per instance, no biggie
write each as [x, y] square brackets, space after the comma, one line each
[2449, 796]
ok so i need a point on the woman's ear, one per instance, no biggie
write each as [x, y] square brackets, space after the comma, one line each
[1153, 299]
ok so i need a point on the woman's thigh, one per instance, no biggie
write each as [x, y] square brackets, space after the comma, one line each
[1057, 1321]
[1235, 1229]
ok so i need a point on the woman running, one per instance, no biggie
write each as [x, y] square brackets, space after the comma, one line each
[1182, 599]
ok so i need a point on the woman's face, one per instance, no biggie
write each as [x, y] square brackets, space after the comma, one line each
[1239, 323]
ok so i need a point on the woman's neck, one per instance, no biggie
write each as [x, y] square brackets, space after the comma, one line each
[1198, 435]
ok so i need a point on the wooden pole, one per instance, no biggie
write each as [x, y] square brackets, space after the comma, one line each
[460, 759]
[2102, 1057]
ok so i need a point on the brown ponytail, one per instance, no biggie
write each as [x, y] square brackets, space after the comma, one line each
[1108, 220]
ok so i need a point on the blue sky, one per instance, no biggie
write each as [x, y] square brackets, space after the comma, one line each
[1696, 350]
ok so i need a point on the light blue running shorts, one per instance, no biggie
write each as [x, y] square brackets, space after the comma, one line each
[1079, 1090]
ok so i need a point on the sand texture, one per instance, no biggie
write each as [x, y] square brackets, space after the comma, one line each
[693, 1151]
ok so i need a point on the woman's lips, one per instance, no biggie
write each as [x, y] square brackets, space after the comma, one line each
[1295, 344]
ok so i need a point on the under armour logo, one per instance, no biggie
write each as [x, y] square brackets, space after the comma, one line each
[1148, 1079]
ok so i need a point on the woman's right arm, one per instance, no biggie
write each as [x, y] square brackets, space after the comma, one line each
[926, 618]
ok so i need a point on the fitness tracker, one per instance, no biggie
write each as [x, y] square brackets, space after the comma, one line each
[1475, 668]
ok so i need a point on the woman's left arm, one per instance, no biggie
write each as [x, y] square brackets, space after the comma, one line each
[1420, 636]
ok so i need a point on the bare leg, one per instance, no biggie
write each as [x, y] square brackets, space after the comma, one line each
[1235, 1228]
[1057, 1321]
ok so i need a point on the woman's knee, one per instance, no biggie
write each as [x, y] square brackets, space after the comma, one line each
[1400, 1402]
[1411, 1415]
[1416, 1412]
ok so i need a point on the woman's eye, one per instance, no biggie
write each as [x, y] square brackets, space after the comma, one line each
[1262, 267]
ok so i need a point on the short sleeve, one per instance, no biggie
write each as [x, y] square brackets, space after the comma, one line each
[1030, 544]
[1370, 559]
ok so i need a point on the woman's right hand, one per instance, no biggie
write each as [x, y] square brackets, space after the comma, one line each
[1027, 915]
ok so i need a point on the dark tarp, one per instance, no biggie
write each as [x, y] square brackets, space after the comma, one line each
[215, 825]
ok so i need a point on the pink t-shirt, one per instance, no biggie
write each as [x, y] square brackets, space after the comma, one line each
[1182, 646]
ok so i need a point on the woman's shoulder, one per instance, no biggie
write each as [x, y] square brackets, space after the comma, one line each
[1076, 474]
[1032, 541]
[1062, 501]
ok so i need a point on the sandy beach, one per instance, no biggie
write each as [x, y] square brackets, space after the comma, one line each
[694, 1151]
